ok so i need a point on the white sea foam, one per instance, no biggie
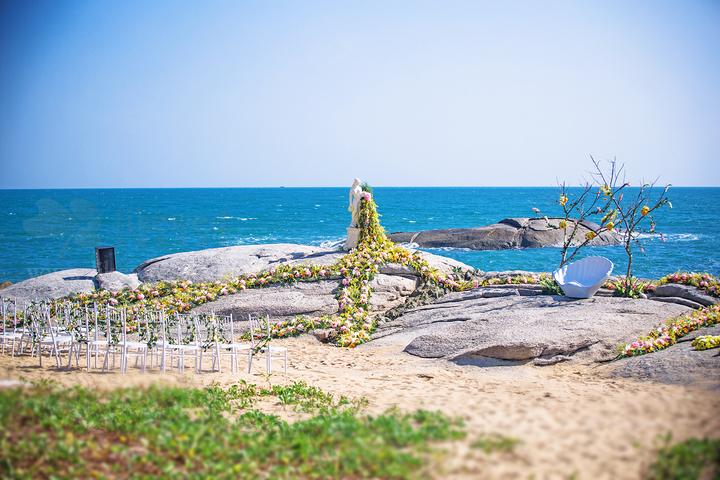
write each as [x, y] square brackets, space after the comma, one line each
[669, 237]
[171, 219]
[334, 243]
[242, 219]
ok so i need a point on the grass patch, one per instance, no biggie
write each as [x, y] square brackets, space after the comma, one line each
[495, 443]
[692, 459]
[211, 432]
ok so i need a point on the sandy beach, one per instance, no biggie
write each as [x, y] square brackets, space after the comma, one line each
[572, 421]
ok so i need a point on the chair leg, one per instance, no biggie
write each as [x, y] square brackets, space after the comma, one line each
[250, 357]
[105, 361]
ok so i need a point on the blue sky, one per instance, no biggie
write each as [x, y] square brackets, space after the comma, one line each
[242, 93]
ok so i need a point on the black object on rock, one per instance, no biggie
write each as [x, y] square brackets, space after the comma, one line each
[105, 259]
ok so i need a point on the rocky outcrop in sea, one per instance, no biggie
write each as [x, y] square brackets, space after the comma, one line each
[507, 233]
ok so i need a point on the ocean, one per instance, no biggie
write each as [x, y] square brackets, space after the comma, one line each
[47, 230]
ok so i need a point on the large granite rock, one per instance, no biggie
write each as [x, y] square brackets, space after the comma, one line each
[508, 233]
[219, 263]
[114, 281]
[503, 325]
[312, 299]
[678, 364]
[53, 285]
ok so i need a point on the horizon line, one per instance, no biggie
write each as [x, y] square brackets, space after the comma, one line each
[328, 186]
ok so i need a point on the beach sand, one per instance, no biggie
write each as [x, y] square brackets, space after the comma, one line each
[572, 421]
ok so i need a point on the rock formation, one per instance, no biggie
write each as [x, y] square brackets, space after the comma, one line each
[508, 233]
[499, 323]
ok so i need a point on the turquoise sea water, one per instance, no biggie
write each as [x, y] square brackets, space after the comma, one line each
[47, 230]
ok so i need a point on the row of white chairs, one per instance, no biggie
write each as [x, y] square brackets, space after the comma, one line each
[152, 338]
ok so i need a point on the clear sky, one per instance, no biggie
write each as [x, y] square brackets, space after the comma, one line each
[303, 93]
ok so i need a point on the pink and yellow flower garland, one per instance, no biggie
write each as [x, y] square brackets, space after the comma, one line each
[668, 334]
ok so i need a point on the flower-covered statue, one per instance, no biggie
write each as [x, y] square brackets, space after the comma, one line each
[356, 192]
[353, 231]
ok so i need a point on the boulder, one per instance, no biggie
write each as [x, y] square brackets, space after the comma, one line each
[687, 292]
[389, 291]
[678, 364]
[53, 285]
[678, 300]
[114, 281]
[312, 299]
[216, 264]
[508, 233]
[220, 263]
[500, 324]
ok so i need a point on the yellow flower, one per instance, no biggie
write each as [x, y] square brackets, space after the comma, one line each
[645, 210]
[610, 225]
[562, 224]
[563, 200]
[590, 235]
[605, 190]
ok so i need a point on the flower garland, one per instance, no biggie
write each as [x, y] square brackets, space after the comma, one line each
[706, 342]
[669, 333]
[703, 281]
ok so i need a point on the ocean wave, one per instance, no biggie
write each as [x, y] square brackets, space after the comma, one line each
[669, 237]
[242, 219]
[331, 244]
[452, 249]
[171, 219]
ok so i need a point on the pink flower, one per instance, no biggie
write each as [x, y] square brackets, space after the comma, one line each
[346, 282]
[366, 196]
[140, 296]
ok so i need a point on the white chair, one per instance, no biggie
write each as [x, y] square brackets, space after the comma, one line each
[137, 348]
[50, 337]
[583, 278]
[15, 335]
[182, 345]
[261, 331]
[221, 339]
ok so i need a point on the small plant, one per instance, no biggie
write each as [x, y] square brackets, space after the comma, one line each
[550, 286]
[495, 443]
[629, 287]
[692, 459]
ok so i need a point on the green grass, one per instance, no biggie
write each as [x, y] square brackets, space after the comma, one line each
[688, 460]
[495, 443]
[51, 432]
